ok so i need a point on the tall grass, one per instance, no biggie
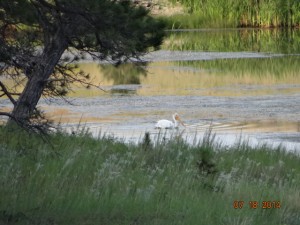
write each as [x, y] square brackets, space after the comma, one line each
[81, 180]
[241, 13]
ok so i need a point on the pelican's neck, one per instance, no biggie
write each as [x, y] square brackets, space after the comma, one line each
[175, 121]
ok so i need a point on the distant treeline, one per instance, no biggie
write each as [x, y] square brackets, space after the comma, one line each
[244, 13]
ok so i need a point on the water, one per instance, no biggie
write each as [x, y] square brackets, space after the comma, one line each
[243, 84]
[240, 83]
[259, 119]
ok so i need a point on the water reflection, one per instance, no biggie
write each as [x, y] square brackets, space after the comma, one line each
[123, 79]
[124, 89]
[254, 40]
[123, 74]
[221, 77]
[279, 68]
[224, 77]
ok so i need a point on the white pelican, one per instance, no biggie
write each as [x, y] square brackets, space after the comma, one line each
[167, 124]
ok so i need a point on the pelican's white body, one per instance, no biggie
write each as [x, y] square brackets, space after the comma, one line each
[167, 124]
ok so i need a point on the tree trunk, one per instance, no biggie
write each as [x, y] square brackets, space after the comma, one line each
[37, 79]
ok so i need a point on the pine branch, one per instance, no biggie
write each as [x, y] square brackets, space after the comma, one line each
[7, 93]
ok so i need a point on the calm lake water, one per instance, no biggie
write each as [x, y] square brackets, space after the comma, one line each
[241, 83]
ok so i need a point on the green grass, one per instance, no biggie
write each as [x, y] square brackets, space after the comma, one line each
[76, 179]
[237, 13]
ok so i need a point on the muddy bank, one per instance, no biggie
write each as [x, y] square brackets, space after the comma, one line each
[166, 55]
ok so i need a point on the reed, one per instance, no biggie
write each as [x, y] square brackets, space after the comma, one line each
[240, 13]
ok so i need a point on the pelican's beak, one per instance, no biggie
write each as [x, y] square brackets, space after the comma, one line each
[181, 122]
[178, 118]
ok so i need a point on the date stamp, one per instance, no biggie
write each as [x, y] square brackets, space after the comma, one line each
[256, 204]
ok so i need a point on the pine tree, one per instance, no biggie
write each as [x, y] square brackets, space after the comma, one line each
[34, 34]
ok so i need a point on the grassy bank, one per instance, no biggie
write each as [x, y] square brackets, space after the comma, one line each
[76, 179]
[237, 13]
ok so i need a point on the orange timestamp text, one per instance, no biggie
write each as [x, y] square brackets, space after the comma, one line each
[257, 204]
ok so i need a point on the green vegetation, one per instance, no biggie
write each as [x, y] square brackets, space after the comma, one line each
[76, 179]
[236, 40]
[237, 13]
